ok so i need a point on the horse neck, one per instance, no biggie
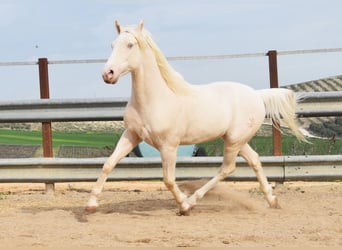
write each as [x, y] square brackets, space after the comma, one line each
[148, 84]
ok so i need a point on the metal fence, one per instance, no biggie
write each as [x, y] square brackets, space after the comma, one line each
[273, 74]
[312, 104]
[51, 170]
[277, 168]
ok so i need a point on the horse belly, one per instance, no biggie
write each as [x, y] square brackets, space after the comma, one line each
[225, 109]
[205, 123]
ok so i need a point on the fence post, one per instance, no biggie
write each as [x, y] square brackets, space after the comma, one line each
[46, 126]
[273, 70]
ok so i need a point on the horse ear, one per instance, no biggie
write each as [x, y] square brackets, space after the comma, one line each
[141, 25]
[117, 26]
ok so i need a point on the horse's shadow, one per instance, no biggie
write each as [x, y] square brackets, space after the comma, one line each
[142, 207]
[216, 200]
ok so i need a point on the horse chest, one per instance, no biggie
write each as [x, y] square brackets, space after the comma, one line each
[142, 126]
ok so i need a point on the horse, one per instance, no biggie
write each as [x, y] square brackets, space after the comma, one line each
[166, 111]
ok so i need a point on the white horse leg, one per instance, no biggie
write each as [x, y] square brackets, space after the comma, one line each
[125, 145]
[227, 167]
[253, 160]
[169, 157]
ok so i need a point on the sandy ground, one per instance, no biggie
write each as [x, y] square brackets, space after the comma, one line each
[144, 214]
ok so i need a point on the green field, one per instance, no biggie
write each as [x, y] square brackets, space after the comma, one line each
[263, 145]
[290, 146]
[20, 137]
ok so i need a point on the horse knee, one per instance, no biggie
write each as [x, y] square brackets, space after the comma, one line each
[169, 183]
[254, 161]
[107, 168]
[226, 170]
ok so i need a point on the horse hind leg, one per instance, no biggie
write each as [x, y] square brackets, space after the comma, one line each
[253, 160]
[228, 166]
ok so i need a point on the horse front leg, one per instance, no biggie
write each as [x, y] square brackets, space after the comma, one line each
[125, 145]
[169, 156]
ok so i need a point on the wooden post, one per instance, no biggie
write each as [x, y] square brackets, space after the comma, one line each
[46, 126]
[273, 70]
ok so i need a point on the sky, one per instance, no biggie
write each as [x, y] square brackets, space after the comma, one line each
[84, 29]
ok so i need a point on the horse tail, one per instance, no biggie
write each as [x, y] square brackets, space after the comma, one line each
[280, 105]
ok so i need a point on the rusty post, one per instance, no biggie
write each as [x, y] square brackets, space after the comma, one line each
[45, 94]
[273, 70]
[46, 126]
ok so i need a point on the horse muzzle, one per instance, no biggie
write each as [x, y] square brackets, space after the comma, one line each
[109, 77]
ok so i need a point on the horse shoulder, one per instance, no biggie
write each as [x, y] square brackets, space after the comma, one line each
[131, 118]
[149, 125]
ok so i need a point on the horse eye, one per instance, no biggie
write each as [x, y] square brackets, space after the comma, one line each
[130, 45]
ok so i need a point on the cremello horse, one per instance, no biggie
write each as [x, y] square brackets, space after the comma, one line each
[166, 111]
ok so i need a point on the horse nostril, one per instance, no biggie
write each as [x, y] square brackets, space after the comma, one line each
[108, 75]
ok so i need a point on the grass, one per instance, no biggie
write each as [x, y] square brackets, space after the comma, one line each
[21, 137]
[290, 146]
[263, 145]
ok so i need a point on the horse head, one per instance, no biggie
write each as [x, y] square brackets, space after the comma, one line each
[125, 56]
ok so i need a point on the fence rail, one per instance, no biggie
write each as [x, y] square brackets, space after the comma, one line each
[313, 104]
[182, 58]
[277, 168]
[320, 104]
[53, 110]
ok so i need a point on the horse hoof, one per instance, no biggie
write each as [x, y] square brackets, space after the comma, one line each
[275, 204]
[185, 209]
[90, 209]
[184, 213]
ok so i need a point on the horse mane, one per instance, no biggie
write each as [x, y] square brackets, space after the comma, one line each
[173, 79]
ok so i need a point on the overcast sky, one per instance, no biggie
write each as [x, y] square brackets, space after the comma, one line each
[84, 29]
